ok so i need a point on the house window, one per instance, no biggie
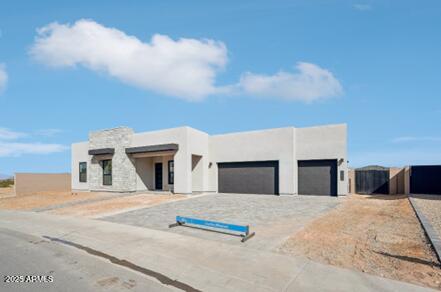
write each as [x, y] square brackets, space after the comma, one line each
[171, 172]
[342, 175]
[107, 172]
[83, 171]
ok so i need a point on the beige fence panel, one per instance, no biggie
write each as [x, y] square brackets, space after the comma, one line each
[31, 183]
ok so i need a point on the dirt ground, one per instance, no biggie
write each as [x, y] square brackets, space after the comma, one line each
[116, 205]
[41, 200]
[378, 234]
[7, 192]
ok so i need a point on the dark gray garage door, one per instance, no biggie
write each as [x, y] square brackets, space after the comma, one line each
[317, 177]
[425, 179]
[256, 177]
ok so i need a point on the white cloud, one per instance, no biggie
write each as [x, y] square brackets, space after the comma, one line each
[310, 83]
[362, 7]
[6, 134]
[48, 132]
[17, 149]
[184, 68]
[404, 139]
[3, 77]
[14, 149]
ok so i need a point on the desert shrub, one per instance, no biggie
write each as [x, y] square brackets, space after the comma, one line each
[4, 183]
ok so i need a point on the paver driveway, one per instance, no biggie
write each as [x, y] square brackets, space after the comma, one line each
[273, 218]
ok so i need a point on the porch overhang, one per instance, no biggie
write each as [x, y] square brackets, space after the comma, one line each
[153, 150]
[102, 151]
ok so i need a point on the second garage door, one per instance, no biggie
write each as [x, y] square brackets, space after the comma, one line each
[254, 177]
[317, 177]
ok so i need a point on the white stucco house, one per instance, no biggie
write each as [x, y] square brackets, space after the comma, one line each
[184, 160]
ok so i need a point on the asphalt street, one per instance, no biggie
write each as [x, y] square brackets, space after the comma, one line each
[94, 255]
[69, 268]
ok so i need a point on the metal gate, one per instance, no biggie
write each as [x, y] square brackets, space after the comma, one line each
[372, 181]
[425, 179]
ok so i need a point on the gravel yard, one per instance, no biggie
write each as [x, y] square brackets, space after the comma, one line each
[378, 234]
[45, 200]
[430, 205]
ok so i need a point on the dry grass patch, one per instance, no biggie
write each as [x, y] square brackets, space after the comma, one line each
[379, 235]
[44, 199]
[116, 205]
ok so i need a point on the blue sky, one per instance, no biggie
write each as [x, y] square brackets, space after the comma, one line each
[219, 67]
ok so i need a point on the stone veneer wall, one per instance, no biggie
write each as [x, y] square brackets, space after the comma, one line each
[123, 168]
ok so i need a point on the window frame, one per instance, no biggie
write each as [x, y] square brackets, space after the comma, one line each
[109, 181]
[82, 177]
[171, 173]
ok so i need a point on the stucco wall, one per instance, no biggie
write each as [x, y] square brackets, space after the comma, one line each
[79, 154]
[145, 174]
[164, 160]
[351, 182]
[285, 145]
[407, 180]
[31, 183]
[396, 180]
[325, 142]
[125, 176]
[197, 174]
[273, 144]
[182, 183]
[145, 171]
[197, 142]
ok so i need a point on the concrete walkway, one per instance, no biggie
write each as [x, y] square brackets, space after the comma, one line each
[194, 263]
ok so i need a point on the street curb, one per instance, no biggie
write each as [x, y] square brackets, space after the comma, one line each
[428, 228]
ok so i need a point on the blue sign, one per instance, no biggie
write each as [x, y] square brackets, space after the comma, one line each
[213, 224]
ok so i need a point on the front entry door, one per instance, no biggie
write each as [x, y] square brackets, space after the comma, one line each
[158, 176]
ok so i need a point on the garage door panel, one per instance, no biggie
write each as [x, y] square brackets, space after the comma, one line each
[317, 177]
[258, 177]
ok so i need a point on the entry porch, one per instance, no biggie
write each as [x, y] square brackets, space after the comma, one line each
[166, 168]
